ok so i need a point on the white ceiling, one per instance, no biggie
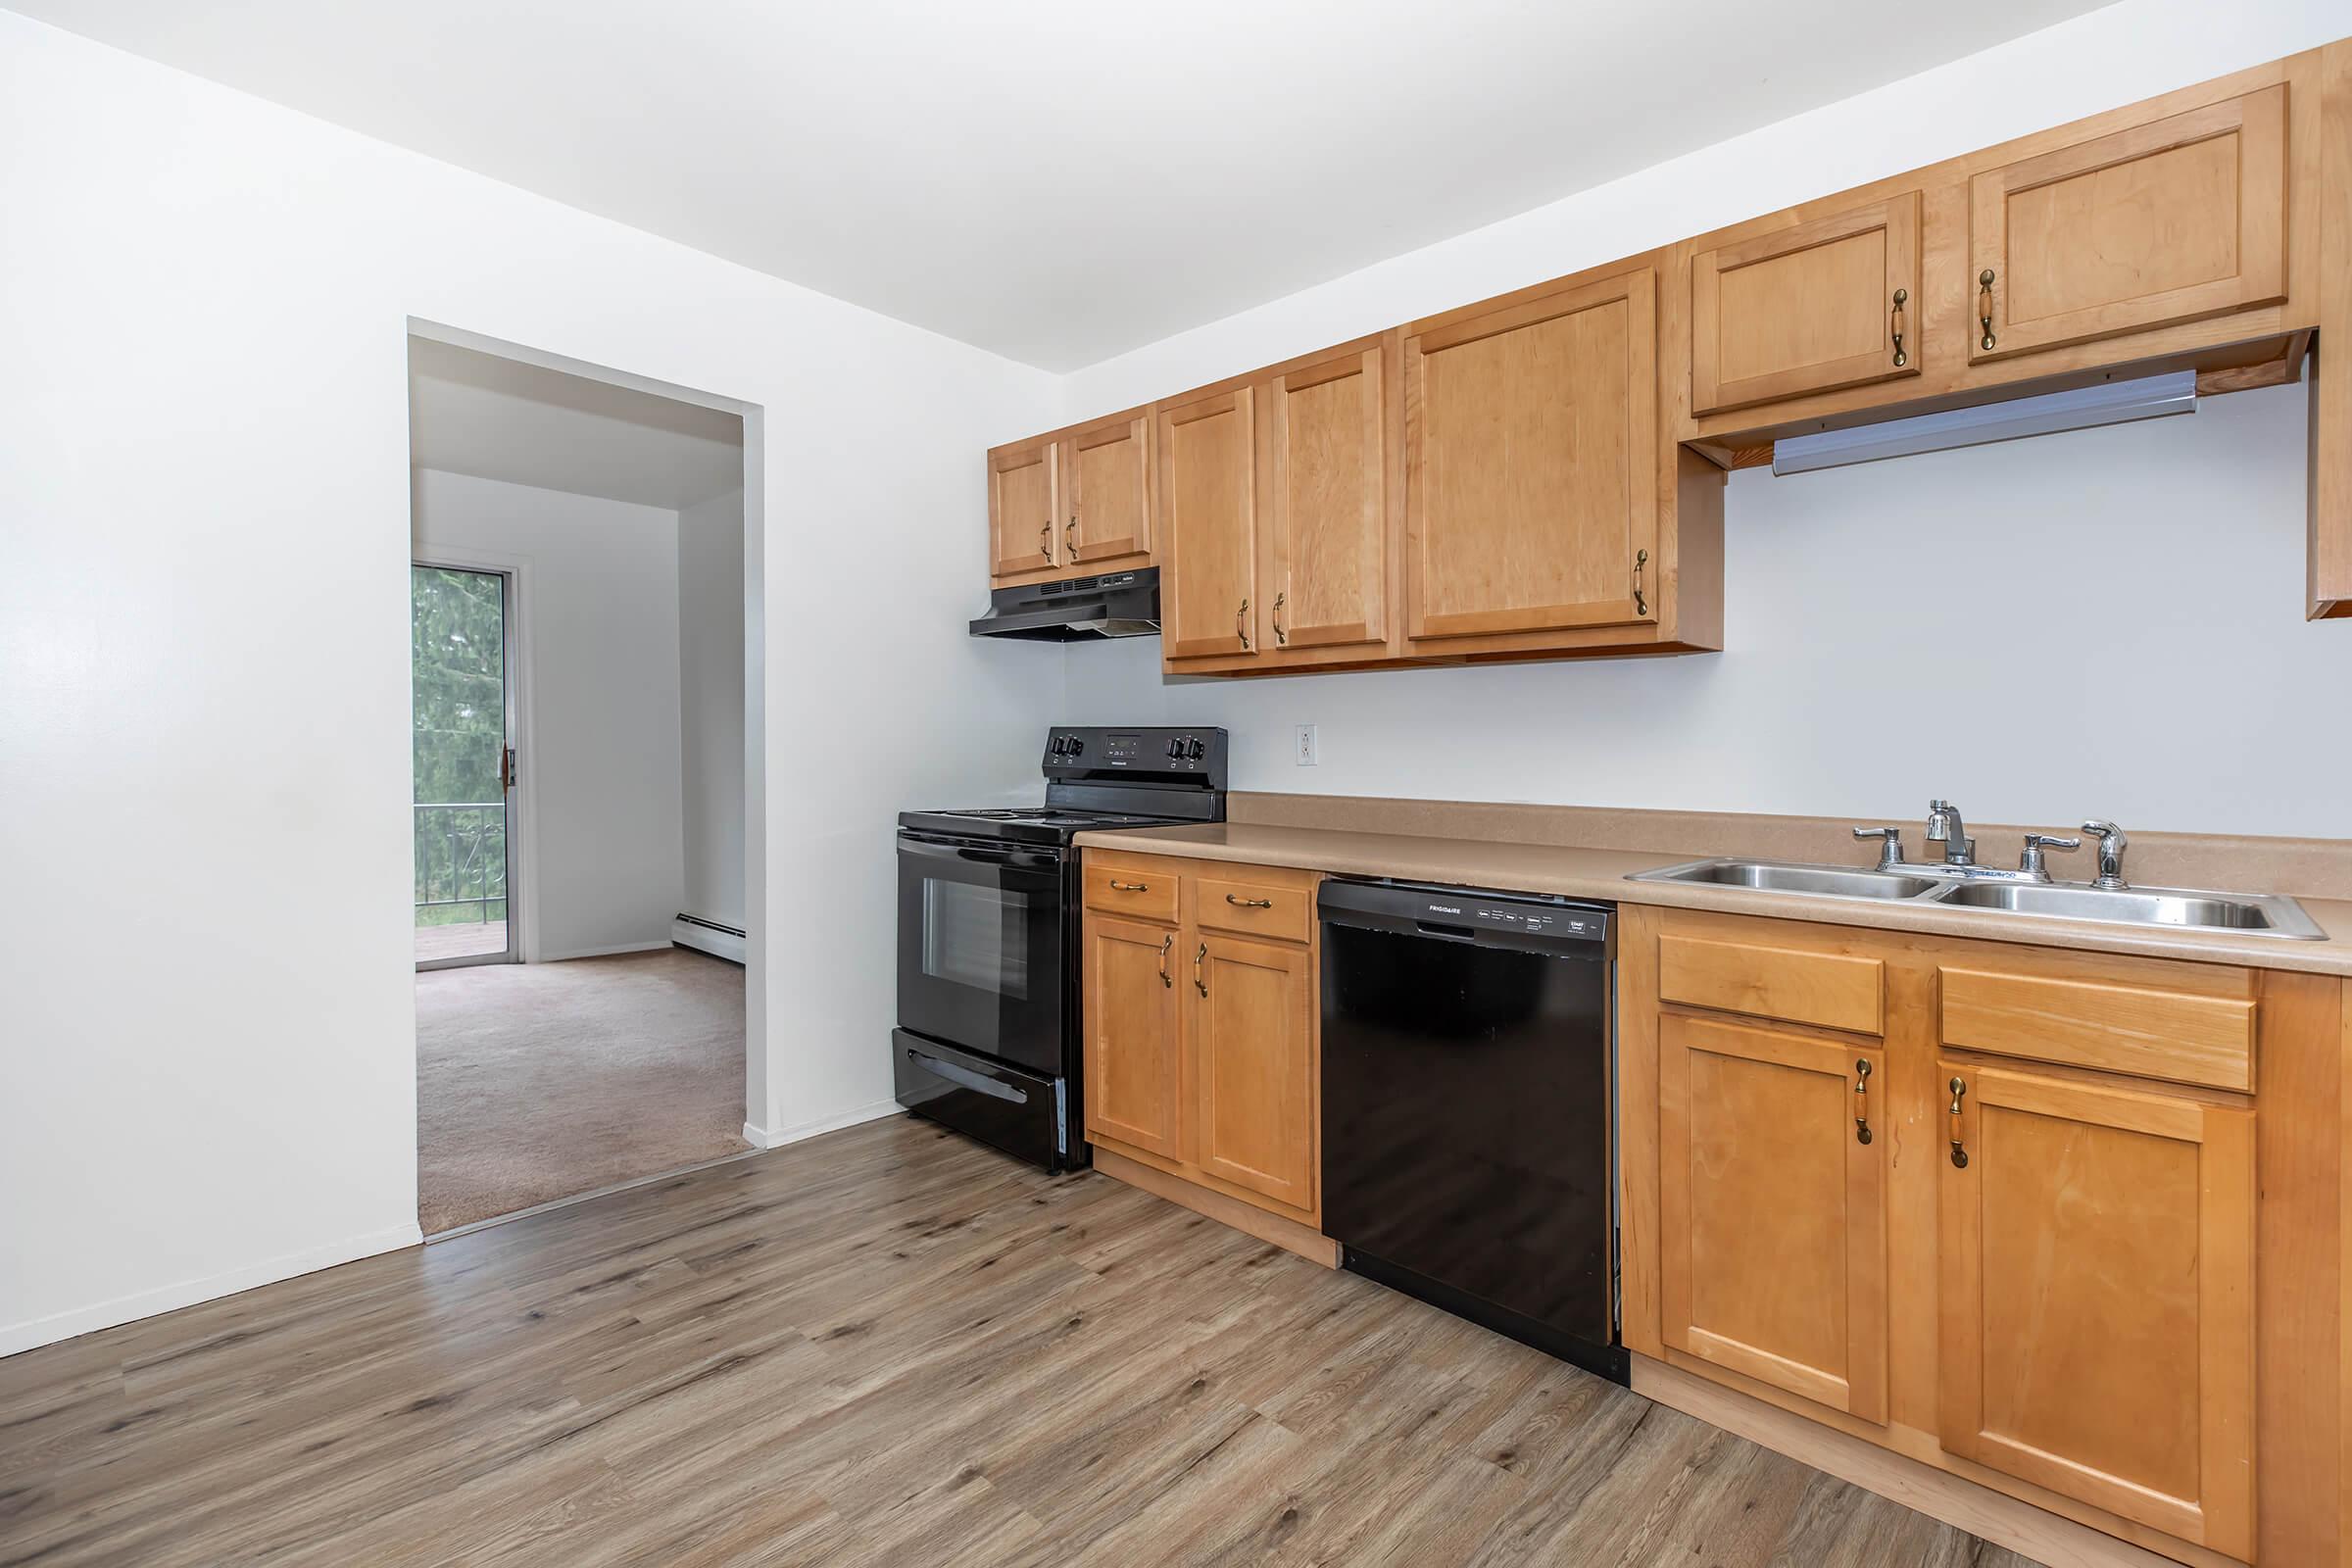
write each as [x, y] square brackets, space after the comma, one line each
[1057, 180]
[497, 419]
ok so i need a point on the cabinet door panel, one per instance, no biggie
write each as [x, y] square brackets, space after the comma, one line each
[1531, 483]
[1254, 1036]
[1134, 1051]
[2098, 1298]
[1208, 528]
[2175, 221]
[1773, 1210]
[1024, 508]
[1110, 494]
[1328, 518]
[1807, 309]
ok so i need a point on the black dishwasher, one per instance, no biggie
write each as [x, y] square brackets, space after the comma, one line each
[1467, 1137]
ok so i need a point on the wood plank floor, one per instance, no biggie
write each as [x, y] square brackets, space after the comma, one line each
[882, 1346]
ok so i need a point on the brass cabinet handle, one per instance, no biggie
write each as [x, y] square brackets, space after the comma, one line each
[1959, 1087]
[1861, 1099]
[1117, 886]
[1200, 979]
[1640, 568]
[1165, 943]
[1241, 627]
[1984, 307]
[1069, 539]
[1282, 633]
[1044, 541]
[1903, 297]
[1249, 903]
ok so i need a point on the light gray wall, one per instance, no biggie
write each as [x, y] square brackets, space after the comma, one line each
[711, 706]
[204, 513]
[2106, 622]
[600, 865]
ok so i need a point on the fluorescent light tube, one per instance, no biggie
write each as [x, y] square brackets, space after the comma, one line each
[2109, 403]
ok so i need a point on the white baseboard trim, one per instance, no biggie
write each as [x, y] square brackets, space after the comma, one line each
[777, 1136]
[605, 953]
[701, 938]
[35, 1332]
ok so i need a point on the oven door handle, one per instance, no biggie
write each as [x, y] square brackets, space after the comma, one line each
[966, 1077]
[1020, 859]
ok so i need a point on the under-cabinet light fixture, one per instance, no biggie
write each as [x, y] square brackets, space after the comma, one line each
[2109, 403]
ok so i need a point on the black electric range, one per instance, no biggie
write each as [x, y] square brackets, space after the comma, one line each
[990, 1010]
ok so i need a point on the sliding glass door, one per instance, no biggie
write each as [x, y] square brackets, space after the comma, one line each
[461, 676]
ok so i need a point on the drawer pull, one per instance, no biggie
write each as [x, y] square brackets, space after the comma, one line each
[1861, 1099]
[1117, 886]
[1249, 903]
[1165, 943]
[1959, 1149]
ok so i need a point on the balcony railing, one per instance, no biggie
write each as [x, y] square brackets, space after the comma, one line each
[460, 853]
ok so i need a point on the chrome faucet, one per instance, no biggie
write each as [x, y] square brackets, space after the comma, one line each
[1891, 845]
[2112, 844]
[1945, 828]
[2029, 865]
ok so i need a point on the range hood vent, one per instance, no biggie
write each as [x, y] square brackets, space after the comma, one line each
[1116, 603]
[2109, 403]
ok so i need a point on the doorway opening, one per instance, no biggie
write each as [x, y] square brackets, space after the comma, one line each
[583, 770]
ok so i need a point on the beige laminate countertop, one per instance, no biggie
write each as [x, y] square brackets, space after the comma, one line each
[1588, 873]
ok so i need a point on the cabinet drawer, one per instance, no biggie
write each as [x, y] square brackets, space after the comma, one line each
[1138, 892]
[2145, 1031]
[1830, 990]
[1253, 908]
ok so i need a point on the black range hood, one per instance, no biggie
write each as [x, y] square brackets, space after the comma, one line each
[1116, 603]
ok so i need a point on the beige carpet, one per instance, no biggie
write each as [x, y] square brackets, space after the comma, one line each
[536, 1081]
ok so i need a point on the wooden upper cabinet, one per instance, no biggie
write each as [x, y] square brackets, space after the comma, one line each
[1253, 1038]
[1822, 305]
[2097, 1302]
[2173, 221]
[1532, 464]
[1134, 1050]
[1208, 526]
[1024, 508]
[1327, 513]
[1773, 1208]
[1108, 511]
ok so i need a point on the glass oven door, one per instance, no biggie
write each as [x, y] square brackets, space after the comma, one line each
[980, 947]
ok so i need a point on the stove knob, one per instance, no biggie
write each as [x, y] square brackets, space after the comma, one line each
[1054, 747]
[1075, 746]
[1193, 748]
[1176, 747]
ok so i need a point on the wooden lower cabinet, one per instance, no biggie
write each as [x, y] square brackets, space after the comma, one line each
[1253, 1039]
[1772, 1187]
[2115, 1296]
[1203, 1047]
[1134, 1045]
[2096, 1245]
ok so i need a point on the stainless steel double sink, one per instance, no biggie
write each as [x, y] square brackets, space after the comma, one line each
[2163, 908]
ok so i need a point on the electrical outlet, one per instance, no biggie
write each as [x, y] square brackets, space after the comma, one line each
[1306, 745]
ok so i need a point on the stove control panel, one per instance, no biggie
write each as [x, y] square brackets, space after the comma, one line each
[1192, 755]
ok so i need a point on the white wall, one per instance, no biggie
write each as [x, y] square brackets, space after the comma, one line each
[601, 867]
[2104, 622]
[204, 309]
[711, 690]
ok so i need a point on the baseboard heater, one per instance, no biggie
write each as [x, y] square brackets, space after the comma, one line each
[710, 936]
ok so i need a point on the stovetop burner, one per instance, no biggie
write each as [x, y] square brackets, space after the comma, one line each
[1101, 778]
